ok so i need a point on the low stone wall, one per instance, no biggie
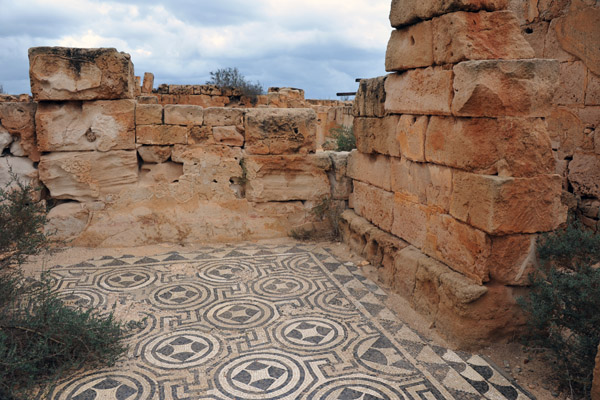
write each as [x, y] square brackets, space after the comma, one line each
[122, 171]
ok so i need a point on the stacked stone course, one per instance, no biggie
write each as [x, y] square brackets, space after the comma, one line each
[455, 162]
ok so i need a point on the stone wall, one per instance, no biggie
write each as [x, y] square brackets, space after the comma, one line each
[569, 31]
[454, 176]
[120, 170]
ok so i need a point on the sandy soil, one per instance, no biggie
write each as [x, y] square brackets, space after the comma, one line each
[526, 367]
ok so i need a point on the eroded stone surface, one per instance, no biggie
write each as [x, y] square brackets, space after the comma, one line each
[409, 11]
[377, 135]
[513, 259]
[410, 134]
[148, 114]
[370, 98]
[373, 169]
[578, 33]
[410, 47]
[374, 204]
[176, 114]
[154, 154]
[18, 119]
[66, 221]
[426, 184]
[584, 174]
[23, 170]
[161, 134]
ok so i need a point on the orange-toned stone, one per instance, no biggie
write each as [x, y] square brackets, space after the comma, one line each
[464, 36]
[86, 125]
[419, 91]
[513, 259]
[497, 88]
[535, 34]
[374, 204]
[565, 130]
[280, 131]
[229, 135]
[410, 134]
[410, 47]
[155, 154]
[501, 205]
[426, 184]
[405, 12]
[19, 120]
[584, 174]
[571, 88]
[460, 246]
[595, 393]
[61, 73]
[504, 146]
[217, 116]
[373, 169]
[553, 48]
[148, 84]
[579, 34]
[161, 134]
[148, 114]
[410, 220]
[370, 98]
[377, 135]
[187, 115]
[592, 91]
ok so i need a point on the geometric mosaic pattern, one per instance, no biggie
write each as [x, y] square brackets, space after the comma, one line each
[263, 322]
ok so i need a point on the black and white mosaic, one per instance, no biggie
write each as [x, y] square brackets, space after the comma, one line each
[263, 322]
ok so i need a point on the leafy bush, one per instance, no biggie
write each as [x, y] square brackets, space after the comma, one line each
[564, 305]
[232, 77]
[344, 136]
[40, 337]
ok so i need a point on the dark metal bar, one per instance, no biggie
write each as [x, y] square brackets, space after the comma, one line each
[346, 94]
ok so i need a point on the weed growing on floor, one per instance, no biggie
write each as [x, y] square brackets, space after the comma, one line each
[41, 338]
[344, 136]
[564, 305]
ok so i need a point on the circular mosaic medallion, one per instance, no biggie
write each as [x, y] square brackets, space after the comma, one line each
[240, 314]
[334, 301]
[108, 386]
[260, 376]
[81, 298]
[310, 334]
[380, 355]
[179, 295]
[356, 387]
[283, 287]
[126, 279]
[181, 349]
[226, 272]
[302, 264]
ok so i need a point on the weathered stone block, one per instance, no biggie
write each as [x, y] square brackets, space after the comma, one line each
[571, 88]
[458, 245]
[147, 99]
[21, 167]
[497, 88]
[60, 73]
[506, 146]
[229, 135]
[513, 259]
[85, 176]
[584, 174]
[19, 120]
[5, 139]
[410, 220]
[464, 36]
[501, 206]
[176, 114]
[535, 34]
[341, 184]
[161, 134]
[374, 204]
[410, 134]
[90, 125]
[592, 91]
[377, 135]
[410, 47]
[281, 131]
[578, 33]
[405, 12]
[148, 82]
[373, 169]
[566, 131]
[66, 221]
[217, 116]
[420, 91]
[154, 154]
[426, 184]
[287, 177]
[370, 98]
[148, 114]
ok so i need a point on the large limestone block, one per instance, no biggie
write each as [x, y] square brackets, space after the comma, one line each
[374, 204]
[61, 73]
[287, 177]
[218, 116]
[458, 245]
[281, 131]
[516, 147]
[161, 134]
[501, 205]
[410, 47]
[88, 125]
[85, 176]
[154, 154]
[513, 259]
[5, 139]
[592, 93]
[370, 98]
[420, 91]
[426, 184]
[148, 84]
[462, 36]
[497, 88]
[229, 135]
[410, 133]
[373, 169]
[176, 114]
[66, 221]
[22, 169]
[410, 220]
[19, 120]
[377, 135]
[571, 88]
[148, 114]
[584, 174]
[341, 183]
[405, 12]
[579, 34]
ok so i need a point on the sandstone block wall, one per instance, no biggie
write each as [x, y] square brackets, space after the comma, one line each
[454, 166]
[569, 31]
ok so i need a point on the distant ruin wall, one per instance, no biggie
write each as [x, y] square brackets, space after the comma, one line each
[454, 176]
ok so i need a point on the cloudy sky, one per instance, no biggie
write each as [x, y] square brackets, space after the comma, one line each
[318, 45]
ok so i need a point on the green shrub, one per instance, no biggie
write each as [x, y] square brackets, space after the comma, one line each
[344, 136]
[233, 78]
[41, 338]
[564, 305]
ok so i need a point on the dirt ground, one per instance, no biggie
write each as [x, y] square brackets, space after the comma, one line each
[526, 367]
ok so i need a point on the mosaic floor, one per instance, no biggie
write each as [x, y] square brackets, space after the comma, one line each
[263, 322]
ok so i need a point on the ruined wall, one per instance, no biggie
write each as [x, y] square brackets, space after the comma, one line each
[454, 173]
[569, 31]
[121, 171]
